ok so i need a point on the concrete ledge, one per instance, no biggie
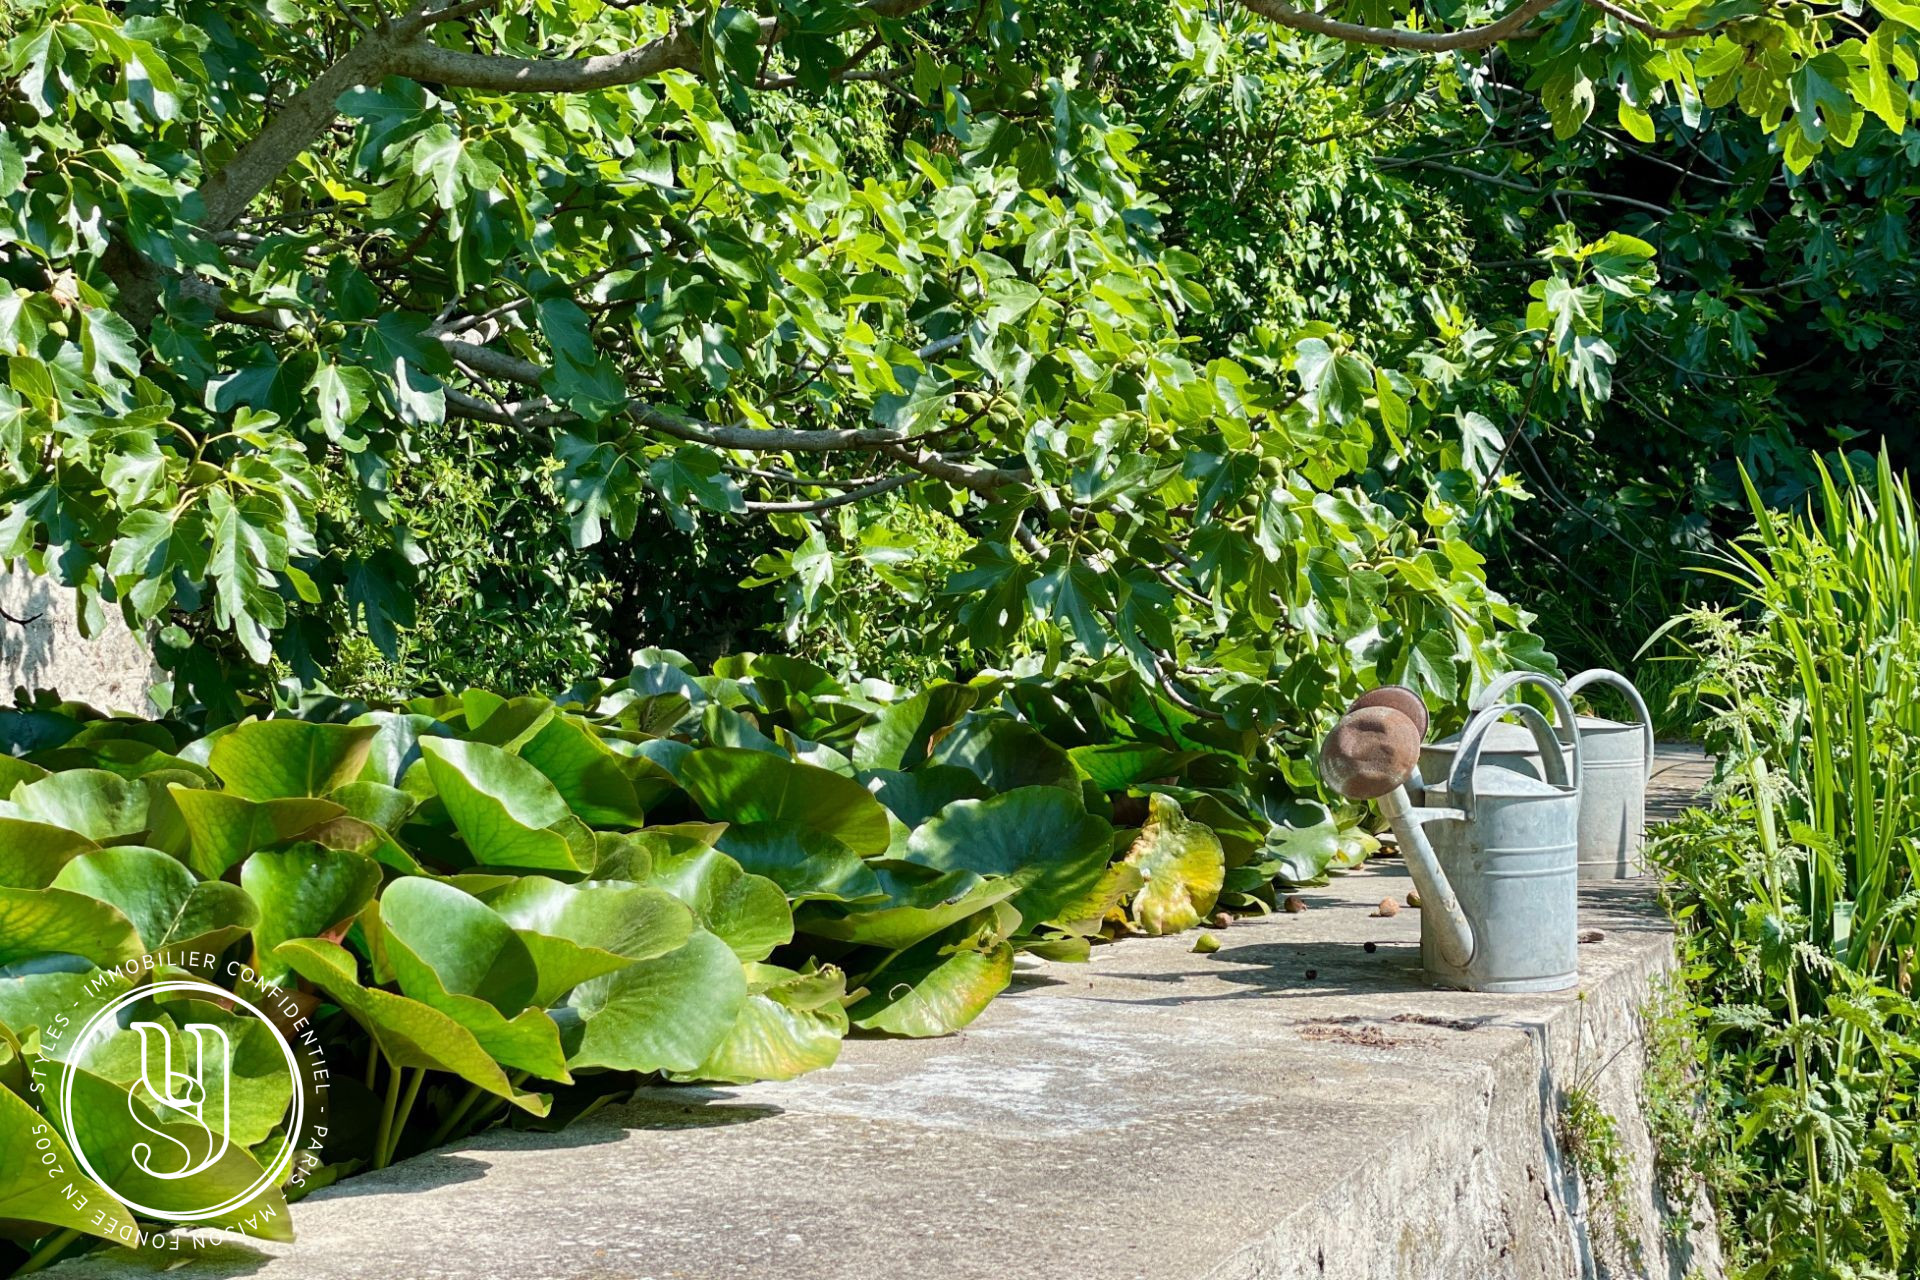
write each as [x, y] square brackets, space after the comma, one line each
[1290, 1106]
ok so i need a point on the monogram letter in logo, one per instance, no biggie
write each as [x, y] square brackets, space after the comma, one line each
[192, 1105]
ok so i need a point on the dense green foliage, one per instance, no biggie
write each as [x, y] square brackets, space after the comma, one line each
[511, 908]
[812, 270]
[1798, 889]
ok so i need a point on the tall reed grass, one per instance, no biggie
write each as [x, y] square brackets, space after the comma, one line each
[1798, 887]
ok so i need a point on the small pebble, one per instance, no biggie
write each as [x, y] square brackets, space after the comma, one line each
[1388, 907]
[1221, 919]
[1413, 899]
[1312, 974]
[1592, 935]
[1206, 944]
[1293, 906]
[1372, 947]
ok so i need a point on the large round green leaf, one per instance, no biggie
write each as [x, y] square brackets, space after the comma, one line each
[735, 784]
[409, 1033]
[749, 912]
[590, 777]
[915, 797]
[34, 993]
[1182, 866]
[1006, 754]
[898, 737]
[804, 862]
[1040, 835]
[167, 906]
[269, 759]
[790, 1024]
[222, 829]
[577, 932]
[451, 951]
[1114, 766]
[104, 732]
[99, 805]
[250, 1076]
[462, 941]
[507, 723]
[506, 810]
[113, 1127]
[375, 803]
[395, 747]
[44, 922]
[32, 853]
[1300, 847]
[14, 771]
[664, 1014]
[27, 1194]
[913, 911]
[935, 995]
[305, 891]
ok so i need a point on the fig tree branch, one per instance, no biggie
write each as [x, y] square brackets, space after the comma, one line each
[1512, 26]
[400, 47]
[1643, 26]
[848, 498]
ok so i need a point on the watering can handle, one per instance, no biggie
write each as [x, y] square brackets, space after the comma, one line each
[1569, 730]
[1467, 758]
[1600, 675]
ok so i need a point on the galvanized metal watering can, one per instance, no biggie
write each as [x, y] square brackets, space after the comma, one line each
[1616, 763]
[1613, 762]
[1493, 853]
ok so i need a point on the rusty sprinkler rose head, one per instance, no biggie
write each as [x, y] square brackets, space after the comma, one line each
[1401, 699]
[1370, 752]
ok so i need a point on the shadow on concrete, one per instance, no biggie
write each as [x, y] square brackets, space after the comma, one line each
[650, 1108]
[1621, 906]
[427, 1170]
[1266, 970]
[1032, 980]
[27, 608]
[42, 650]
[666, 1107]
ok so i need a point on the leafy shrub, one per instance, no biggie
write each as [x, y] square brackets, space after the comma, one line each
[1798, 889]
[518, 908]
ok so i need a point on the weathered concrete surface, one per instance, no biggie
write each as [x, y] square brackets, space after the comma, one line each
[1681, 771]
[1291, 1106]
[41, 648]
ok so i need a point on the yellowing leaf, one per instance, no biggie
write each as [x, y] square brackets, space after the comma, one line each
[1184, 868]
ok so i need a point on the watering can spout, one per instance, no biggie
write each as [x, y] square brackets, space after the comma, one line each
[1439, 905]
[1370, 755]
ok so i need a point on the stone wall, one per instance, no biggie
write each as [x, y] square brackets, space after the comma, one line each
[41, 648]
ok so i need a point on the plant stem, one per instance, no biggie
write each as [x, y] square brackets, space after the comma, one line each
[484, 1116]
[381, 1139]
[48, 1250]
[406, 1109]
[455, 1116]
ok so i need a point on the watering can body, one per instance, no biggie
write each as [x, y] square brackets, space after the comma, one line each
[1616, 760]
[1613, 763]
[1508, 844]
